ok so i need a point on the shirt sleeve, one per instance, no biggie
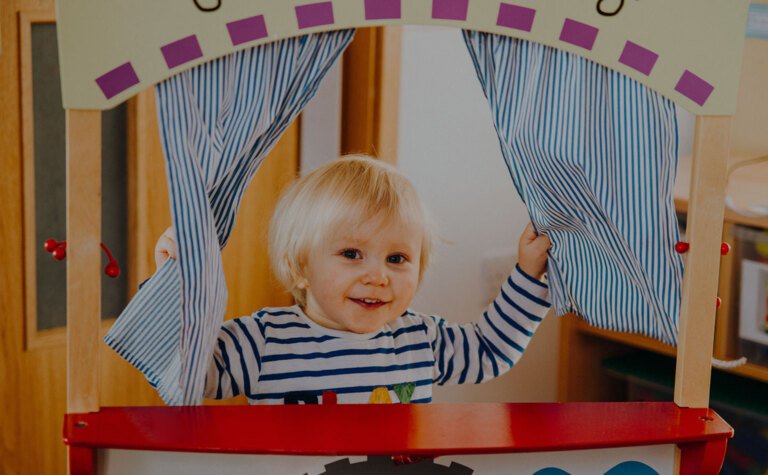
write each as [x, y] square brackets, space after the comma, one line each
[236, 362]
[483, 350]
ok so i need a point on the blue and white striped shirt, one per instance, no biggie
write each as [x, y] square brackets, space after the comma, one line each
[279, 351]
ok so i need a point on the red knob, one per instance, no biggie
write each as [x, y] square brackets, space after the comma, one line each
[112, 270]
[682, 247]
[718, 302]
[56, 248]
[50, 245]
[60, 253]
[725, 249]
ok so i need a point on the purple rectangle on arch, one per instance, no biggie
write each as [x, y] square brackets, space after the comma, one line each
[382, 9]
[638, 58]
[694, 88]
[515, 16]
[181, 51]
[450, 9]
[247, 29]
[579, 34]
[315, 14]
[117, 80]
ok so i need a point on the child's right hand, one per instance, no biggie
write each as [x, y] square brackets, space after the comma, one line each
[532, 252]
[166, 247]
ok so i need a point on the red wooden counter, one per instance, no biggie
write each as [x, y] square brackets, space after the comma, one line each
[401, 429]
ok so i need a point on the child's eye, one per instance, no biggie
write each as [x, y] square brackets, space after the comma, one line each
[351, 254]
[396, 259]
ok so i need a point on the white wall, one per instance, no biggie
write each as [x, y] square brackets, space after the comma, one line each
[448, 148]
[320, 135]
[685, 125]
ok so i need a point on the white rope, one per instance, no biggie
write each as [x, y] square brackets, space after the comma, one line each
[730, 364]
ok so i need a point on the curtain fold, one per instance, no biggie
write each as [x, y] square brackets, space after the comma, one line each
[218, 122]
[593, 155]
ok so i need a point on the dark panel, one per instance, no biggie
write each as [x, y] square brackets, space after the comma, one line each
[114, 214]
[50, 192]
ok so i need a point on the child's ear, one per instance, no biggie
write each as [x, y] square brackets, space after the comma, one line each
[294, 271]
[302, 284]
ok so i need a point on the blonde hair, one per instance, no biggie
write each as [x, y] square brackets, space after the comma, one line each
[353, 189]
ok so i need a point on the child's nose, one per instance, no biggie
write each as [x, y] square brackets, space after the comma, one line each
[375, 276]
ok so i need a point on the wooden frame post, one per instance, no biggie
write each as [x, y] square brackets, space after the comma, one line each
[706, 210]
[371, 93]
[83, 149]
[702, 262]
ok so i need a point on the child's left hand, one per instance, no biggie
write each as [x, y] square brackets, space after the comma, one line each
[532, 252]
[166, 248]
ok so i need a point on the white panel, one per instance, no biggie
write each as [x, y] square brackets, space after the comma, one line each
[754, 302]
[587, 462]
[132, 462]
[583, 462]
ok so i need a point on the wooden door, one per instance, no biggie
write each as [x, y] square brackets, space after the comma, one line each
[32, 360]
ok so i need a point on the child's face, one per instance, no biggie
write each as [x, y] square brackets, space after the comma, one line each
[361, 278]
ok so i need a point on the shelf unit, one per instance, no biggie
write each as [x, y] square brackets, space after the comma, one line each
[584, 347]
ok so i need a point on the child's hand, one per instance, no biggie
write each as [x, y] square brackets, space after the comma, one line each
[532, 252]
[166, 247]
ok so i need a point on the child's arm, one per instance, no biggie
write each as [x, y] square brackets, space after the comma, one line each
[236, 363]
[477, 352]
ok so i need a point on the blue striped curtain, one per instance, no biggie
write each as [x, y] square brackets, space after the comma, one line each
[593, 155]
[218, 122]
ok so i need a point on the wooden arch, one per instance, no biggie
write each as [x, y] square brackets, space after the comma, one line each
[688, 50]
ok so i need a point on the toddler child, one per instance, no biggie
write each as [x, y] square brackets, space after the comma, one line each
[351, 241]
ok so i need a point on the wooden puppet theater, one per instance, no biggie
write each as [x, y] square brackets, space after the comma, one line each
[650, 57]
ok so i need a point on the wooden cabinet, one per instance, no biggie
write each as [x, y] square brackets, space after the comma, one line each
[584, 348]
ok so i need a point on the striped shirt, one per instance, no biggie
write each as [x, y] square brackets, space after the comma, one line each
[279, 352]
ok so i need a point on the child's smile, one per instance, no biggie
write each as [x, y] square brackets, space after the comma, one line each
[363, 276]
[369, 303]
